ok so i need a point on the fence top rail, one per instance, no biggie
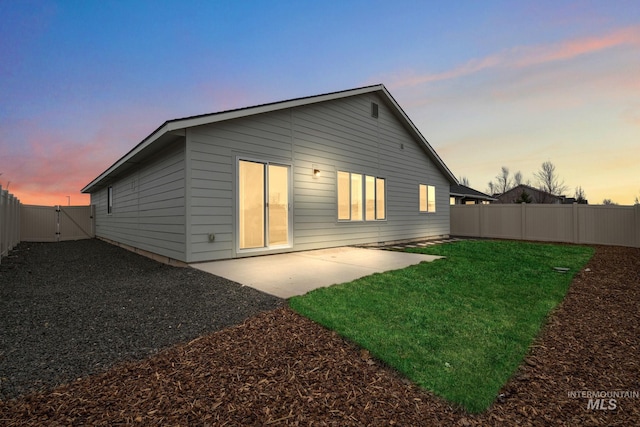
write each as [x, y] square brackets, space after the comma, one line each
[576, 223]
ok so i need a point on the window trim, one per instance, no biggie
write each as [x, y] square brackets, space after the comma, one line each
[378, 203]
[266, 163]
[427, 204]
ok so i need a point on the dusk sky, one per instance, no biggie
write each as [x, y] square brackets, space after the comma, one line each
[488, 83]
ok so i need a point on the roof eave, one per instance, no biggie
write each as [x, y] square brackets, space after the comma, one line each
[166, 128]
[472, 196]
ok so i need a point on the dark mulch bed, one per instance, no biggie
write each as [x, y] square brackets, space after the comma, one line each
[70, 309]
[278, 368]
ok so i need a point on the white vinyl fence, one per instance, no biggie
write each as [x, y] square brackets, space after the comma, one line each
[56, 223]
[9, 222]
[30, 223]
[583, 224]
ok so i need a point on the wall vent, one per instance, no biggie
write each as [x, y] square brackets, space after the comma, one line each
[374, 110]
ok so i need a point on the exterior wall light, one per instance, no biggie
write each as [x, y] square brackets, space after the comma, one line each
[316, 173]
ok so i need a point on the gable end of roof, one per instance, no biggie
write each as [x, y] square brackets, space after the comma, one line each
[175, 125]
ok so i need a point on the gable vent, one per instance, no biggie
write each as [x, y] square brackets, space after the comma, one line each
[374, 110]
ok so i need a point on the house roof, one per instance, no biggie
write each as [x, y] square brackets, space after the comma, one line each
[519, 188]
[459, 190]
[170, 130]
[536, 192]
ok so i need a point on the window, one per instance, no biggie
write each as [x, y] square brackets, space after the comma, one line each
[356, 197]
[360, 199]
[251, 203]
[381, 210]
[344, 196]
[370, 198]
[375, 198]
[109, 200]
[427, 198]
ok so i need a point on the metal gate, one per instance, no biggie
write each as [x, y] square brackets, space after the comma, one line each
[56, 223]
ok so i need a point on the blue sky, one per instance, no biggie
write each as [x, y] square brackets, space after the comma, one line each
[489, 84]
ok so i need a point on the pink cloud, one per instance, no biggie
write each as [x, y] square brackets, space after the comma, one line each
[526, 56]
[45, 164]
[573, 48]
[49, 169]
[472, 66]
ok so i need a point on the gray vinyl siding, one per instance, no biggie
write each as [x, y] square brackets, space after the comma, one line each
[148, 206]
[343, 136]
[336, 135]
[212, 153]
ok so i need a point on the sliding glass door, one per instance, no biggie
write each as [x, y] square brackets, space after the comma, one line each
[263, 205]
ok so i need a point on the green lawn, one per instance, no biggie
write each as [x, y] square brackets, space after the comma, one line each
[458, 326]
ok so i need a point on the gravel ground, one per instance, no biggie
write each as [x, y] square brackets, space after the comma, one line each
[279, 368]
[71, 309]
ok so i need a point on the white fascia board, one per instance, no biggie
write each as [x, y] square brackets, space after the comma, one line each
[136, 150]
[251, 111]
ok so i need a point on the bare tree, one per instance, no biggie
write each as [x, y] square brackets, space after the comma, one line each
[464, 181]
[491, 188]
[608, 202]
[549, 181]
[517, 179]
[580, 196]
[503, 181]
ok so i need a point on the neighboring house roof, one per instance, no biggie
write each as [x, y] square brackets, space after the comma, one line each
[171, 129]
[537, 195]
[459, 190]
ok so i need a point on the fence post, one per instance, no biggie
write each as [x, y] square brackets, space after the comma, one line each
[523, 221]
[3, 219]
[481, 220]
[636, 224]
[576, 229]
[9, 222]
[57, 207]
[19, 221]
[15, 231]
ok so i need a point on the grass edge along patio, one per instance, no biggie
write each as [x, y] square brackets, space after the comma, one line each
[459, 326]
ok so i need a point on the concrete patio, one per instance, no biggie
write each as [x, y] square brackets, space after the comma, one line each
[296, 273]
